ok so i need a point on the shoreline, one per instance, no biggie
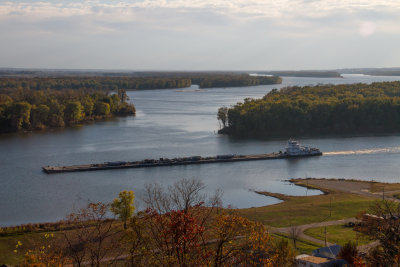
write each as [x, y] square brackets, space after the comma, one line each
[328, 186]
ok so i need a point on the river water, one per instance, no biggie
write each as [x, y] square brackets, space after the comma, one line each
[176, 123]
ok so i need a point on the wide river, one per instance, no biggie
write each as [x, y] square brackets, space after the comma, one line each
[176, 123]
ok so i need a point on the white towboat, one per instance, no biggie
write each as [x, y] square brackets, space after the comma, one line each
[294, 149]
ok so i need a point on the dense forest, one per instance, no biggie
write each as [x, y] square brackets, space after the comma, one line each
[178, 80]
[91, 83]
[234, 80]
[347, 108]
[25, 109]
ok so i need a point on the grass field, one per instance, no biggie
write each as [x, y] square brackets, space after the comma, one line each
[338, 234]
[303, 246]
[8, 243]
[297, 210]
[376, 187]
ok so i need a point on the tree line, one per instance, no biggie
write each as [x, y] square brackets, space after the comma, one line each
[92, 83]
[105, 83]
[236, 80]
[321, 109]
[26, 109]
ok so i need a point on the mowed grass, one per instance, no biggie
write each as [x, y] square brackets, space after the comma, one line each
[338, 234]
[298, 210]
[303, 246]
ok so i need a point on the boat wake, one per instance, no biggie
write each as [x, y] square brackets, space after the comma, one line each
[384, 150]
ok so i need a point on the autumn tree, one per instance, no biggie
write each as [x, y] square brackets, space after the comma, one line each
[93, 237]
[282, 254]
[383, 224]
[349, 252]
[123, 206]
[177, 236]
[176, 220]
[230, 234]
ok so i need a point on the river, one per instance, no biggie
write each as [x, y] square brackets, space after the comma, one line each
[176, 123]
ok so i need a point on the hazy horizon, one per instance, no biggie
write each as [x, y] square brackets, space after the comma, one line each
[199, 35]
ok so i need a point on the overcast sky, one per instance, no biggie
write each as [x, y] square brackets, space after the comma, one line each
[200, 34]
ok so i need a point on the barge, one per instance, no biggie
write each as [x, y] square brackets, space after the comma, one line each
[293, 150]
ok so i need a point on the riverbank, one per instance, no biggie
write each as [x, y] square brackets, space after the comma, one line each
[340, 202]
[341, 199]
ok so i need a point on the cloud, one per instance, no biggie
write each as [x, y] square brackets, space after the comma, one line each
[201, 33]
[266, 8]
[367, 28]
[107, 16]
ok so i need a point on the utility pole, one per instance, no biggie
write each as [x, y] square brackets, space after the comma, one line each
[330, 215]
[383, 193]
[307, 189]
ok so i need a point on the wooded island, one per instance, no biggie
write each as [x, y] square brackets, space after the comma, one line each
[321, 109]
[158, 81]
[25, 109]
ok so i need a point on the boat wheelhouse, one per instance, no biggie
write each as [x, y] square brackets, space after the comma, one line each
[295, 149]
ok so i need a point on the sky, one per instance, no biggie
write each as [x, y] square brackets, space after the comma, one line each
[200, 34]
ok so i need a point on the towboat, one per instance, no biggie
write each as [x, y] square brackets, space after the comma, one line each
[294, 149]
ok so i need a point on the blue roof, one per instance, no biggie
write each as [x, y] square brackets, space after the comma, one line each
[330, 252]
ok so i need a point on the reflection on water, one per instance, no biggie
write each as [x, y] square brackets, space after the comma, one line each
[175, 123]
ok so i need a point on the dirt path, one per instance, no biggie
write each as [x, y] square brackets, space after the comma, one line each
[350, 186]
[302, 228]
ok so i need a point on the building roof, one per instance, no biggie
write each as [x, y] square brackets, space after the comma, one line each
[327, 252]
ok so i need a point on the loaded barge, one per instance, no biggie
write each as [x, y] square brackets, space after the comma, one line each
[293, 150]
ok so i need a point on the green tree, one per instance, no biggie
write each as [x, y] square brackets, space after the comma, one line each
[39, 116]
[123, 97]
[223, 116]
[73, 112]
[56, 117]
[21, 112]
[102, 108]
[88, 106]
[123, 206]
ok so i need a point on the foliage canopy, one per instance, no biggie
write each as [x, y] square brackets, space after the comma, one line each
[347, 108]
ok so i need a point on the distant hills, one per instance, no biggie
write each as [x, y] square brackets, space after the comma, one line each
[334, 73]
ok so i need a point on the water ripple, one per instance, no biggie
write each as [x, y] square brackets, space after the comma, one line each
[384, 150]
